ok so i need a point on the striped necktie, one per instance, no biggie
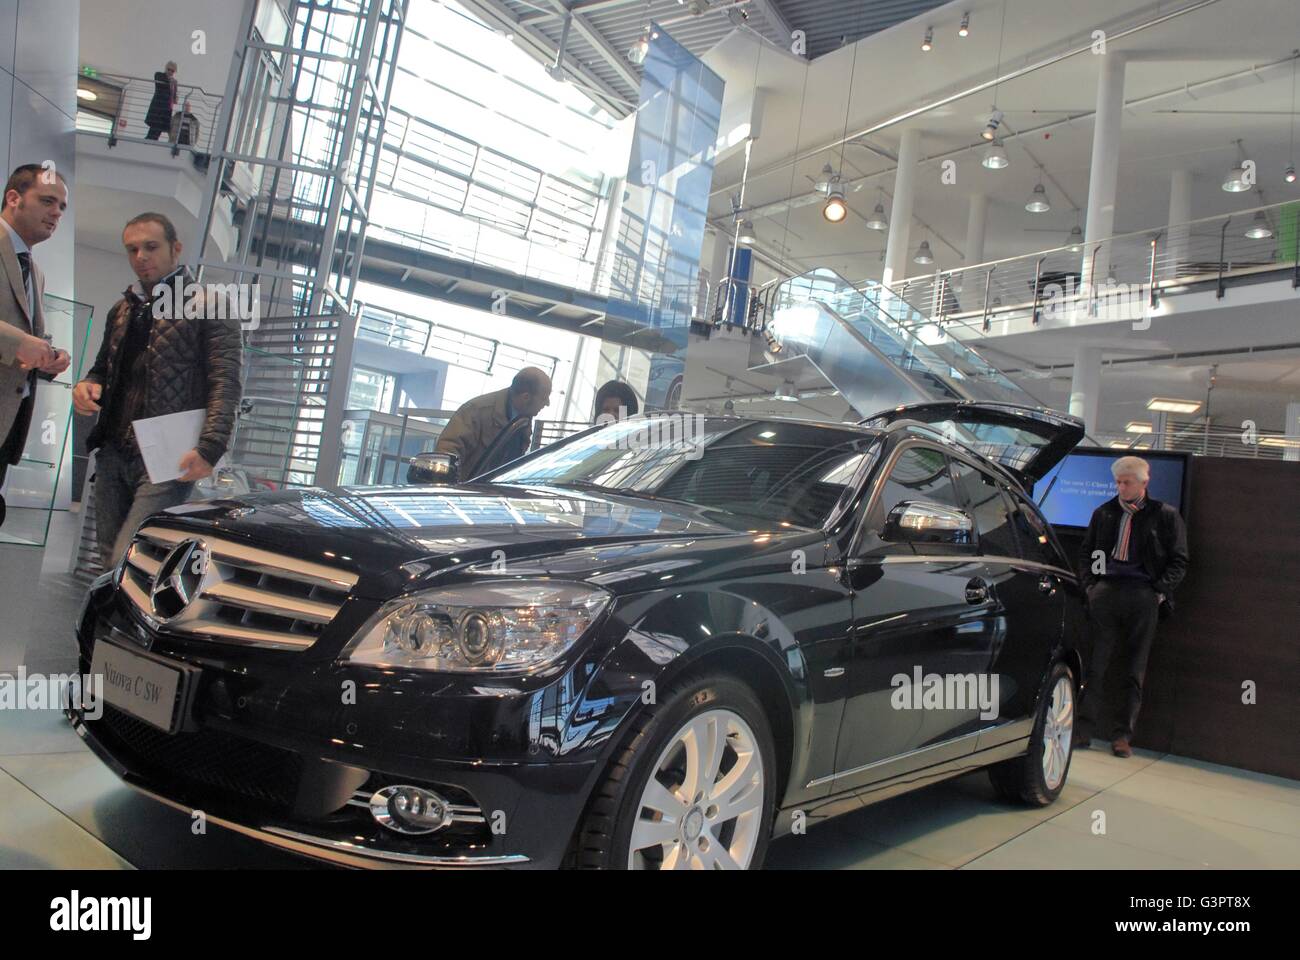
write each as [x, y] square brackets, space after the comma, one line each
[1126, 526]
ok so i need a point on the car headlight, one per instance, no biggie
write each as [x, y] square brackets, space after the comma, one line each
[493, 626]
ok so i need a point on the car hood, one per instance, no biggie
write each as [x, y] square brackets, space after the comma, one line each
[392, 536]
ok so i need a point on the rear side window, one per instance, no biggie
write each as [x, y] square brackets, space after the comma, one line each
[991, 509]
[1034, 535]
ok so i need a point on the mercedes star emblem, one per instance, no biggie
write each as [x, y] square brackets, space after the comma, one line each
[180, 578]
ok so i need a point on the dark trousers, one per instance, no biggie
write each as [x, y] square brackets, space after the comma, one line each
[154, 133]
[1122, 617]
[124, 498]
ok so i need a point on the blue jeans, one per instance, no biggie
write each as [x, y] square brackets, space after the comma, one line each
[124, 497]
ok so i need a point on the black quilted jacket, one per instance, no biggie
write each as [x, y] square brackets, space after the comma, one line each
[191, 363]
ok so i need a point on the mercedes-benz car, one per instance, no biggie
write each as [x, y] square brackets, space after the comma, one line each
[650, 645]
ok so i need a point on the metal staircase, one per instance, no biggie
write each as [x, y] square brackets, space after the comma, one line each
[861, 341]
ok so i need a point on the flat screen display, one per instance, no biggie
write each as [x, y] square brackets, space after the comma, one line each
[1082, 482]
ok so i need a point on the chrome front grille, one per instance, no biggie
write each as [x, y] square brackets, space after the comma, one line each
[243, 595]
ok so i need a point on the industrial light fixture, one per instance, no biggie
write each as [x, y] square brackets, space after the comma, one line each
[877, 219]
[1166, 405]
[746, 233]
[1278, 442]
[84, 94]
[1236, 181]
[1259, 228]
[823, 183]
[1238, 178]
[786, 392]
[928, 43]
[1038, 202]
[835, 209]
[964, 30]
[637, 53]
[990, 131]
[1138, 426]
[995, 158]
[1289, 176]
[1075, 240]
[923, 254]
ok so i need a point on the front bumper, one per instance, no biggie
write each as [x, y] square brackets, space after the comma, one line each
[257, 754]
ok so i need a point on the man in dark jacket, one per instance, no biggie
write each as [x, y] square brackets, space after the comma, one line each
[158, 118]
[156, 358]
[1133, 557]
[480, 422]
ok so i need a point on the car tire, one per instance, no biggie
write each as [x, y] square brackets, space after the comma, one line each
[630, 823]
[1037, 777]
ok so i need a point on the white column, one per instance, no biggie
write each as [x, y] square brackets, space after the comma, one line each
[1104, 172]
[979, 209]
[1292, 431]
[900, 216]
[1085, 386]
[1180, 212]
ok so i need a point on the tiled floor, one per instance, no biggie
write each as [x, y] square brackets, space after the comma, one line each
[60, 807]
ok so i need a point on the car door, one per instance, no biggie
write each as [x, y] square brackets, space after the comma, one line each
[914, 619]
[1026, 595]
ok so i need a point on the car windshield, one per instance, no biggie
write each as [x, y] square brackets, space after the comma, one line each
[778, 471]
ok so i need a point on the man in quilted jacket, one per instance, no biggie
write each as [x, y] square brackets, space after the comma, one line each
[159, 355]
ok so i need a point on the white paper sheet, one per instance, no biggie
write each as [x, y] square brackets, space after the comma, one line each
[164, 440]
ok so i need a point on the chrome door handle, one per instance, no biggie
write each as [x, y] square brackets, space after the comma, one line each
[977, 591]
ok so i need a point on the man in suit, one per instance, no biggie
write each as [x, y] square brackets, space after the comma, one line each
[34, 201]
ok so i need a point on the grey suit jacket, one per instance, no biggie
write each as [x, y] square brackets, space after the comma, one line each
[15, 322]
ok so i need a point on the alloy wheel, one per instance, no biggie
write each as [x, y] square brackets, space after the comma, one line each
[702, 807]
[1058, 729]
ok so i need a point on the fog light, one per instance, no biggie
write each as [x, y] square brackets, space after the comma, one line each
[410, 810]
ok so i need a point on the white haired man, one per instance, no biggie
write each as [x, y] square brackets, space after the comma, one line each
[1134, 555]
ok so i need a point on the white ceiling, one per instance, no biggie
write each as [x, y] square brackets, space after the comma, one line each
[808, 105]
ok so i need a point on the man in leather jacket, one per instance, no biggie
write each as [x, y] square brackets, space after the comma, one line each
[156, 358]
[1132, 559]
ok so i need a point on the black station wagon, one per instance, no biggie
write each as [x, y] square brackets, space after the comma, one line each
[609, 653]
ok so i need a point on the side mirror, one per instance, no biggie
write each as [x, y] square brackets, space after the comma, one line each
[433, 468]
[916, 521]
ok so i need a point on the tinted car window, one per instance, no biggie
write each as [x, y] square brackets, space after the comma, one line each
[1034, 536]
[989, 506]
[771, 470]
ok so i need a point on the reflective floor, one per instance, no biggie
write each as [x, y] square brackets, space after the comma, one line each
[61, 808]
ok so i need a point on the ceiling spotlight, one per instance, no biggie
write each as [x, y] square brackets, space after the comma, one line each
[1075, 240]
[746, 233]
[990, 131]
[835, 209]
[877, 219]
[1038, 202]
[637, 53]
[1237, 181]
[964, 29]
[84, 94]
[995, 158]
[786, 392]
[923, 254]
[928, 43]
[1259, 228]
[1289, 176]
